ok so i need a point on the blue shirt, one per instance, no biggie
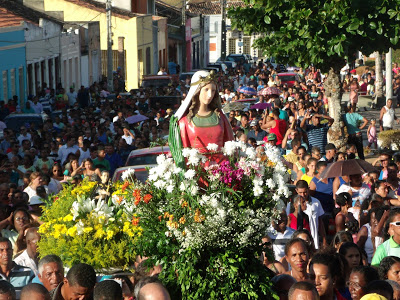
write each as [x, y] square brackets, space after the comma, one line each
[283, 115]
[352, 120]
[317, 136]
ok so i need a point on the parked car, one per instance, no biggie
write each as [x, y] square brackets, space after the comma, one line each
[230, 63]
[146, 156]
[238, 58]
[157, 81]
[141, 172]
[184, 75]
[15, 120]
[288, 78]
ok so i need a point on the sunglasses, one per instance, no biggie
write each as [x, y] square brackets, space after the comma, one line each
[395, 223]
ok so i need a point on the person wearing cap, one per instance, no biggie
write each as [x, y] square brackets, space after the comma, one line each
[316, 132]
[355, 123]
[330, 152]
[256, 132]
[271, 139]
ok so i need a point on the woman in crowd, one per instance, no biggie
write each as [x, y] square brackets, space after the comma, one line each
[352, 254]
[389, 268]
[343, 217]
[92, 173]
[35, 180]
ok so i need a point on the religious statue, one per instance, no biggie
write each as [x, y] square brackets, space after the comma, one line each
[102, 189]
[199, 120]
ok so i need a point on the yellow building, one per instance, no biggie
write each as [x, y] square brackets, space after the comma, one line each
[136, 29]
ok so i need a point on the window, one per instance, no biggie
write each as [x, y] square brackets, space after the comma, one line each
[232, 46]
[246, 45]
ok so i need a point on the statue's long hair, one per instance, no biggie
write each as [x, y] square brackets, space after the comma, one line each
[215, 104]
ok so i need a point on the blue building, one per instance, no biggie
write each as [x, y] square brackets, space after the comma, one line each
[12, 62]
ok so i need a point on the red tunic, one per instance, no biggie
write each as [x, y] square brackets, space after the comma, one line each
[279, 130]
[199, 137]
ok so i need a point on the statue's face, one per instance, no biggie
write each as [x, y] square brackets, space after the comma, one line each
[104, 177]
[207, 93]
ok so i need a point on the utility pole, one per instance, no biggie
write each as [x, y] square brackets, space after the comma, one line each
[223, 30]
[389, 77]
[110, 83]
[183, 28]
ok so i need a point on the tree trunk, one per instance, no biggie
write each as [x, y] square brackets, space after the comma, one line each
[337, 134]
[379, 75]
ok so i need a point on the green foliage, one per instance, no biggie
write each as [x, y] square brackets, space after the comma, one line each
[323, 33]
[389, 138]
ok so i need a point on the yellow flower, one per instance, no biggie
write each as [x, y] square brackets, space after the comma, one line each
[110, 234]
[72, 231]
[87, 229]
[61, 228]
[182, 220]
[99, 233]
[68, 218]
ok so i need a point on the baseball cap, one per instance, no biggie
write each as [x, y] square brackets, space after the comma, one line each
[271, 137]
[373, 296]
[330, 146]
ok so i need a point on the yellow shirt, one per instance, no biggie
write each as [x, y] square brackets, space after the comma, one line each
[307, 178]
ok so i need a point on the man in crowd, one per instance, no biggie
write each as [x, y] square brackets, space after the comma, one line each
[78, 284]
[303, 290]
[34, 291]
[51, 271]
[18, 276]
[29, 257]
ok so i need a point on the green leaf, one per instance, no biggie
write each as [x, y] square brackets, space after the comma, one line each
[379, 30]
[394, 40]
[354, 26]
[383, 10]
[392, 13]
[267, 19]
[372, 25]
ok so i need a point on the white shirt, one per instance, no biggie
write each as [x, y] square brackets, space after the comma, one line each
[38, 107]
[24, 137]
[30, 191]
[128, 139]
[54, 186]
[388, 117]
[314, 211]
[228, 97]
[65, 150]
[357, 195]
[84, 155]
[24, 260]
[280, 240]
[72, 98]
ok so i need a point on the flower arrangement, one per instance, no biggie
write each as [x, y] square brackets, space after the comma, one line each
[204, 224]
[77, 228]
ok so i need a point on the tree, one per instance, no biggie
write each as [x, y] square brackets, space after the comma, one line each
[321, 32]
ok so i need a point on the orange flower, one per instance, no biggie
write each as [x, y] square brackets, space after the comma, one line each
[159, 218]
[147, 198]
[136, 193]
[119, 200]
[184, 204]
[137, 200]
[125, 185]
[135, 221]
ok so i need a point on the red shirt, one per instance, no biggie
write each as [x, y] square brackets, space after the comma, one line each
[279, 130]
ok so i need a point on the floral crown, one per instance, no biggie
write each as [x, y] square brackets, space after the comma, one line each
[210, 77]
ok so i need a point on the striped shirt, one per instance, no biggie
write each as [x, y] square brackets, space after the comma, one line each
[317, 136]
[19, 277]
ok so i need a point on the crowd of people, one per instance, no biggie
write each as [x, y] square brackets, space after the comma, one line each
[337, 238]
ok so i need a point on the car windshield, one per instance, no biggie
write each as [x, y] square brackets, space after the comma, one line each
[235, 58]
[16, 122]
[142, 160]
[287, 78]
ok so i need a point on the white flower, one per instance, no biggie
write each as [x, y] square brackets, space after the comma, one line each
[257, 190]
[182, 186]
[128, 174]
[167, 175]
[160, 184]
[251, 153]
[189, 174]
[229, 148]
[270, 183]
[186, 152]
[79, 227]
[276, 197]
[161, 159]
[176, 170]
[212, 147]
[193, 190]
[170, 188]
